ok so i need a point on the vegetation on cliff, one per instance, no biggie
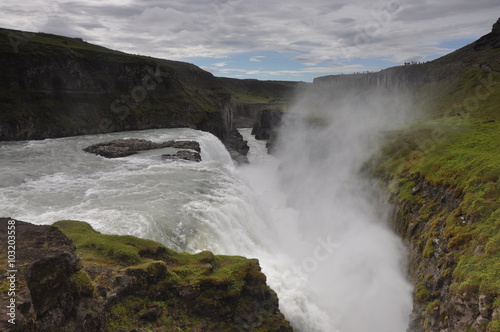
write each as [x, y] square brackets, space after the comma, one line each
[52, 86]
[443, 174]
[124, 283]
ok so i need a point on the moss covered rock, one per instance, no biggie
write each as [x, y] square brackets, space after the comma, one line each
[76, 279]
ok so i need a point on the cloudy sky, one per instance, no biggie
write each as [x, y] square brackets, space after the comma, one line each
[264, 39]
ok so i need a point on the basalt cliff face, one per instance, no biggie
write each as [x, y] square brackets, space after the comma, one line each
[68, 277]
[401, 79]
[53, 86]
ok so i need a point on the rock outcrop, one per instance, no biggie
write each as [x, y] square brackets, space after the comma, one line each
[491, 40]
[423, 222]
[52, 292]
[394, 79]
[237, 147]
[268, 120]
[127, 147]
[122, 283]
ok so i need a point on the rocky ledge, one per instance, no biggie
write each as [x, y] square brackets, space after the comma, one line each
[71, 278]
[126, 147]
[183, 155]
[237, 147]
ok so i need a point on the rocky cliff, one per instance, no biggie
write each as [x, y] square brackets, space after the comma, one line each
[250, 97]
[68, 277]
[53, 86]
[442, 178]
[395, 79]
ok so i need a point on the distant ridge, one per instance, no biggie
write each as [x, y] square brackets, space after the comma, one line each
[484, 53]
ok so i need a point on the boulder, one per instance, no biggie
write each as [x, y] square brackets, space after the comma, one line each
[126, 147]
[237, 147]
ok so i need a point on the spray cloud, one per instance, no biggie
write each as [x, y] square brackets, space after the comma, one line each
[350, 256]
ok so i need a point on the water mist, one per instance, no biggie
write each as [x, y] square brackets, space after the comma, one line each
[339, 238]
[310, 218]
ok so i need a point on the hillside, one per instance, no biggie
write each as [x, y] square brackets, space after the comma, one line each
[484, 53]
[53, 86]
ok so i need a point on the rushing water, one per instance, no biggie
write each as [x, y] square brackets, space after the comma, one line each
[210, 205]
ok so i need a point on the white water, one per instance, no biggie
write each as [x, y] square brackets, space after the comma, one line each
[326, 282]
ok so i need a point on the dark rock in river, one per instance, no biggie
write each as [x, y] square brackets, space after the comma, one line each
[183, 154]
[126, 147]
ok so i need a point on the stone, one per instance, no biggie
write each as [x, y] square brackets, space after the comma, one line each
[483, 302]
[48, 265]
[126, 147]
[183, 155]
[152, 314]
[237, 147]
[268, 121]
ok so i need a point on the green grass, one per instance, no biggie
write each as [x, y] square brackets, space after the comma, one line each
[165, 277]
[111, 250]
[467, 159]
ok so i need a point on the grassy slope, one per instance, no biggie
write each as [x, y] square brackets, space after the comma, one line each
[223, 285]
[458, 147]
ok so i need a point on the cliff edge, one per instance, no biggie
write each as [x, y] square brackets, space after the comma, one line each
[54, 86]
[68, 277]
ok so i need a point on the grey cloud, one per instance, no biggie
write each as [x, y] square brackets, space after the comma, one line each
[344, 20]
[307, 43]
[101, 9]
[314, 32]
[423, 10]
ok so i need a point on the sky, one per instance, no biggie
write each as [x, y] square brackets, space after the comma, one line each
[268, 40]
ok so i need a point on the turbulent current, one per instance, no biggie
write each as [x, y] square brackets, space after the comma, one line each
[332, 269]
